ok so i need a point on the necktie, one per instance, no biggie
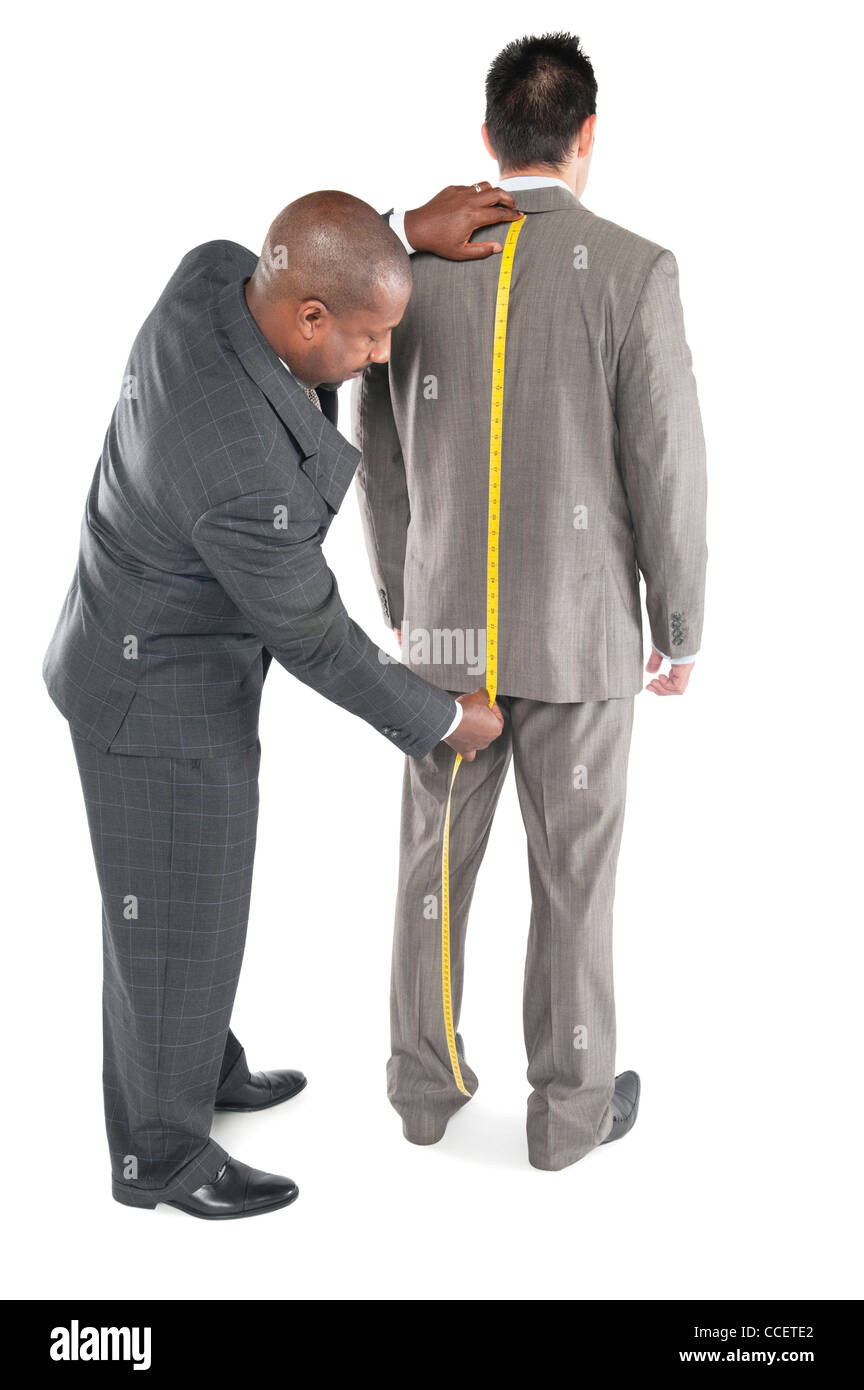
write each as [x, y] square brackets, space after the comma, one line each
[310, 390]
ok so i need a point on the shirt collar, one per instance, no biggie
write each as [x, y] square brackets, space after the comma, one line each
[521, 181]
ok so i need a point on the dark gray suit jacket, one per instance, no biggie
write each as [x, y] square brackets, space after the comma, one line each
[201, 544]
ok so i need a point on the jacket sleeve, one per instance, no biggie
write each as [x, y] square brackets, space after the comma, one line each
[382, 488]
[274, 571]
[661, 453]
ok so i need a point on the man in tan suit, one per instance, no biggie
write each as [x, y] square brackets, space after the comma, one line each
[602, 477]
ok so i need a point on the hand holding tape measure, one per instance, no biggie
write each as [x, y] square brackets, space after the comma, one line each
[477, 728]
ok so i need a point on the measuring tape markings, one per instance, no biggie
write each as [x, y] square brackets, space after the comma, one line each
[499, 343]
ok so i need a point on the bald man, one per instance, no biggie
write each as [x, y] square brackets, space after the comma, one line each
[200, 559]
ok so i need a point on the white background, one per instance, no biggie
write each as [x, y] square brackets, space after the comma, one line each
[724, 133]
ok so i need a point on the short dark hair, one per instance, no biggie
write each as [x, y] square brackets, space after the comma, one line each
[539, 93]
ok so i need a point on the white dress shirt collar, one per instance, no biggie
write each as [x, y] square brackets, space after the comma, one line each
[531, 181]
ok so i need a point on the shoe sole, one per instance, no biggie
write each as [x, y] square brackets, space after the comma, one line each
[236, 1215]
[266, 1105]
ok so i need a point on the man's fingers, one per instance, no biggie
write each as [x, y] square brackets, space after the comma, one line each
[494, 212]
[675, 683]
[662, 685]
[677, 679]
[477, 250]
[444, 224]
[503, 214]
[489, 194]
[469, 757]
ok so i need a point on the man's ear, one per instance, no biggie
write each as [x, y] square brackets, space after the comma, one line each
[586, 136]
[485, 136]
[309, 315]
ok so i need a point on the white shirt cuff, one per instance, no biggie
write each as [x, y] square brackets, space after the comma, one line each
[457, 719]
[397, 224]
[677, 660]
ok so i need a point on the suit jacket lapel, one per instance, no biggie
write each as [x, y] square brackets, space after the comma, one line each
[328, 460]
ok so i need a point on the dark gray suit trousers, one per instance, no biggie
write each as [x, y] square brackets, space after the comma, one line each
[174, 843]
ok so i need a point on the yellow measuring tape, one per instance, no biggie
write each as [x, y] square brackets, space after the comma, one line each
[499, 343]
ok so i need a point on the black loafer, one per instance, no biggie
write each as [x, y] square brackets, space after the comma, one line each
[625, 1105]
[263, 1089]
[237, 1190]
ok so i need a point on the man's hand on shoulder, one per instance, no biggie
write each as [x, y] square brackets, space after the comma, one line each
[677, 680]
[444, 224]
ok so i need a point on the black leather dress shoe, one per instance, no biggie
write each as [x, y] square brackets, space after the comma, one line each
[625, 1105]
[263, 1089]
[237, 1190]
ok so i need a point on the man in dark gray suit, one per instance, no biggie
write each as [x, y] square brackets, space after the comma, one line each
[602, 476]
[200, 558]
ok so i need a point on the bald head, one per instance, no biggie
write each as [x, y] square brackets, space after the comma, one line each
[332, 247]
[331, 284]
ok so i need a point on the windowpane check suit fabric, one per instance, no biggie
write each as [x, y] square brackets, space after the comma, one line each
[201, 544]
[200, 559]
[174, 844]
